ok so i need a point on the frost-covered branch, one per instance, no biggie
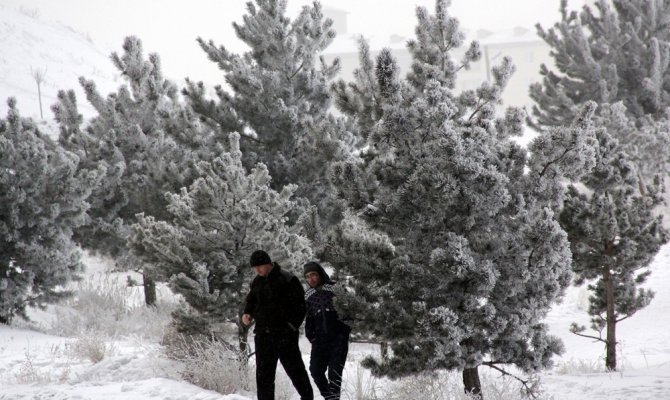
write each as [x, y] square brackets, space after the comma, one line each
[530, 385]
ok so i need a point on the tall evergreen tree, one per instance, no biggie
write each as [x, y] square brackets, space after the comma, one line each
[616, 50]
[279, 99]
[614, 233]
[215, 225]
[43, 198]
[146, 140]
[451, 246]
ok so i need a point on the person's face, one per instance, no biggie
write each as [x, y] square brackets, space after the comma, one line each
[263, 270]
[313, 279]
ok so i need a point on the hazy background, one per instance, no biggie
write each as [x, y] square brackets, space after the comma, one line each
[170, 27]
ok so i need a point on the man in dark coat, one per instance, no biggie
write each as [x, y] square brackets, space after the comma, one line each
[276, 303]
[326, 331]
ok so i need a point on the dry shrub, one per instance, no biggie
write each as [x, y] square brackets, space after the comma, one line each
[215, 364]
[579, 366]
[43, 372]
[210, 364]
[29, 373]
[91, 346]
[361, 386]
[449, 386]
[106, 305]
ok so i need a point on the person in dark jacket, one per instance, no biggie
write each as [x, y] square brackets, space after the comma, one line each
[276, 304]
[326, 331]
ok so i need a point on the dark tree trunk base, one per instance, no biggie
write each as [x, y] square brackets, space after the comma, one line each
[149, 290]
[471, 382]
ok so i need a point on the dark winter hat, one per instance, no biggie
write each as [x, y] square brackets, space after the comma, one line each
[259, 257]
[312, 267]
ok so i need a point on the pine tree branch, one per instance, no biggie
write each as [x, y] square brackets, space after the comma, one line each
[246, 136]
[527, 384]
[477, 109]
[267, 109]
[602, 318]
[373, 92]
[299, 98]
[21, 304]
[644, 229]
[365, 341]
[592, 243]
[212, 242]
[530, 258]
[621, 319]
[296, 71]
[211, 227]
[599, 339]
[554, 161]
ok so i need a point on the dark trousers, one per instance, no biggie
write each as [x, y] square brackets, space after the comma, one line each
[283, 347]
[329, 355]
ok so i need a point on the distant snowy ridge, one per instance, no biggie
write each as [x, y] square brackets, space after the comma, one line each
[63, 54]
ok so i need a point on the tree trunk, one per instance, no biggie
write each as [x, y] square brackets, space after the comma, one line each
[610, 340]
[39, 98]
[243, 339]
[384, 349]
[149, 290]
[472, 384]
[640, 184]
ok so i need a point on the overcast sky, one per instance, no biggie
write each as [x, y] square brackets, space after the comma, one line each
[170, 27]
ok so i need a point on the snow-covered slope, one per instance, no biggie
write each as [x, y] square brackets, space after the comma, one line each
[28, 43]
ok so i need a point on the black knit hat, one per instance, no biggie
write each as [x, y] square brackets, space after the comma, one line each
[312, 267]
[259, 257]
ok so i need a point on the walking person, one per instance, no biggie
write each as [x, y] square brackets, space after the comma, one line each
[276, 304]
[326, 332]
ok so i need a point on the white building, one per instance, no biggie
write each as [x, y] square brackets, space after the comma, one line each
[527, 50]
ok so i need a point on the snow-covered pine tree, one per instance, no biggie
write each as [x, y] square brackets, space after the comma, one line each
[214, 225]
[279, 99]
[43, 197]
[615, 50]
[146, 140]
[614, 233]
[451, 247]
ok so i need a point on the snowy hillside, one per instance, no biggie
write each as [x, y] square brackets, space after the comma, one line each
[28, 43]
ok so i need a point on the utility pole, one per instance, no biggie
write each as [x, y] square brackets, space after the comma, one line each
[38, 75]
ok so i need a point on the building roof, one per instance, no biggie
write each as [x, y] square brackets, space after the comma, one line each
[348, 43]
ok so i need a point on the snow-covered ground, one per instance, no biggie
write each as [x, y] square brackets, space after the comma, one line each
[35, 365]
[643, 352]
